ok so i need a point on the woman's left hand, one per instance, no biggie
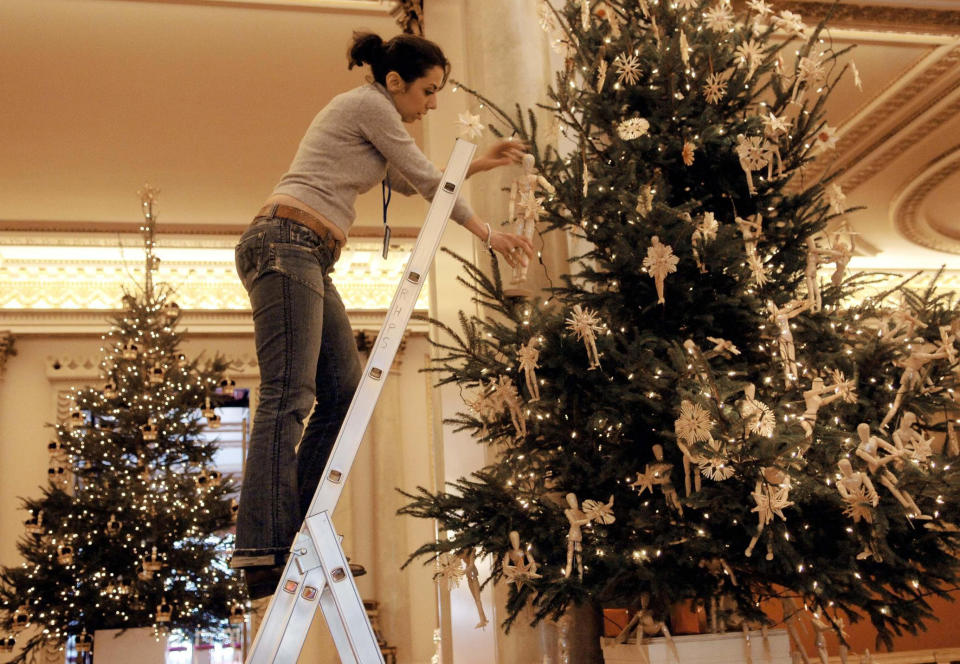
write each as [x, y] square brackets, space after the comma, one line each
[502, 153]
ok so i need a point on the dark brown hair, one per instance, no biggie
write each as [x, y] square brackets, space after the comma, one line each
[408, 55]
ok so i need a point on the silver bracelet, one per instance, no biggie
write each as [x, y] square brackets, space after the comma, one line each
[489, 235]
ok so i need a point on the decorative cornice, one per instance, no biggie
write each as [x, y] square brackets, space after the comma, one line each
[878, 154]
[352, 6]
[202, 273]
[166, 233]
[878, 17]
[905, 209]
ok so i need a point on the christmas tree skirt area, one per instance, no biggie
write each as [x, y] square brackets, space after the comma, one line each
[729, 648]
[140, 645]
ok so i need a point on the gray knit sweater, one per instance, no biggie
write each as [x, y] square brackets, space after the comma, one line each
[350, 145]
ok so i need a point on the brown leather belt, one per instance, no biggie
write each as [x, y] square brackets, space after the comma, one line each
[305, 219]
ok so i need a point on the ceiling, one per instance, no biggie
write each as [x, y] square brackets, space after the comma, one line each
[207, 99]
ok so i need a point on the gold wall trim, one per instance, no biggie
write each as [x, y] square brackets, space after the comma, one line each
[63, 273]
[878, 17]
[166, 232]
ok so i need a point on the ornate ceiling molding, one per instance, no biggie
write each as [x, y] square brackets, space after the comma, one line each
[879, 17]
[908, 130]
[906, 208]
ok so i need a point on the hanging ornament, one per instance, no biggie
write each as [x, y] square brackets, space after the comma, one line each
[781, 316]
[659, 262]
[113, 526]
[237, 615]
[628, 68]
[20, 619]
[234, 508]
[754, 153]
[155, 375]
[762, 9]
[826, 140]
[633, 128]
[149, 431]
[483, 406]
[586, 324]
[749, 54]
[58, 472]
[34, 525]
[719, 18]
[56, 449]
[109, 391]
[686, 153]
[714, 463]
[856, 76]
[705, 232]
[506, 397]
[599, 512]
[585, 14]
[694, 423]
[645, 200]
[209, 478]
[227, 386]
[171, 310]
[449, 569]
[164, 611]
[65, 555]
[790, 23]
[519, 566]
[129, 351]
[601, 74]
[612, 19]
[76, 419]
[771, 496]
[152, 563]
[528, 356]
[84, 642]
[207, 411]
[684, 49]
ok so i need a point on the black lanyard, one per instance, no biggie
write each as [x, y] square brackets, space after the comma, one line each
[386, 192]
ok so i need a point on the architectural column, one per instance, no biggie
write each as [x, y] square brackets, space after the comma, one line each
[497, 48]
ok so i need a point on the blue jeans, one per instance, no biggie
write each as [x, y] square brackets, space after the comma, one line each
[308, 358]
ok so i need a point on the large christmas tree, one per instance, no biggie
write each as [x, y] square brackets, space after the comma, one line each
[698, 414]
[132, 528]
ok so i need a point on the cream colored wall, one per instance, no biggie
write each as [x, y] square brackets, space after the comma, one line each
[397, 452]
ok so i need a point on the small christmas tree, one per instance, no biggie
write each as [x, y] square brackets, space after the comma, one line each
[132, 528]
[695, 415]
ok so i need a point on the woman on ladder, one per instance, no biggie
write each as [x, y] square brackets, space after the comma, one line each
[305, 345]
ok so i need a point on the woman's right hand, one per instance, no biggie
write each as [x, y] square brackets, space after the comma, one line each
[514, 248]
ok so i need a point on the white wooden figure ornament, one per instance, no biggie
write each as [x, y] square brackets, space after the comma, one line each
[528, 356]
[469, 556]
[577, 519]
[659, 262]
[921, 353]
[586, 325]
[771, 495]
[781, 316]
[869, 450]
[526, 208]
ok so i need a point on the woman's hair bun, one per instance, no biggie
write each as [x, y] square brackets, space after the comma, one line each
[367, 48]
